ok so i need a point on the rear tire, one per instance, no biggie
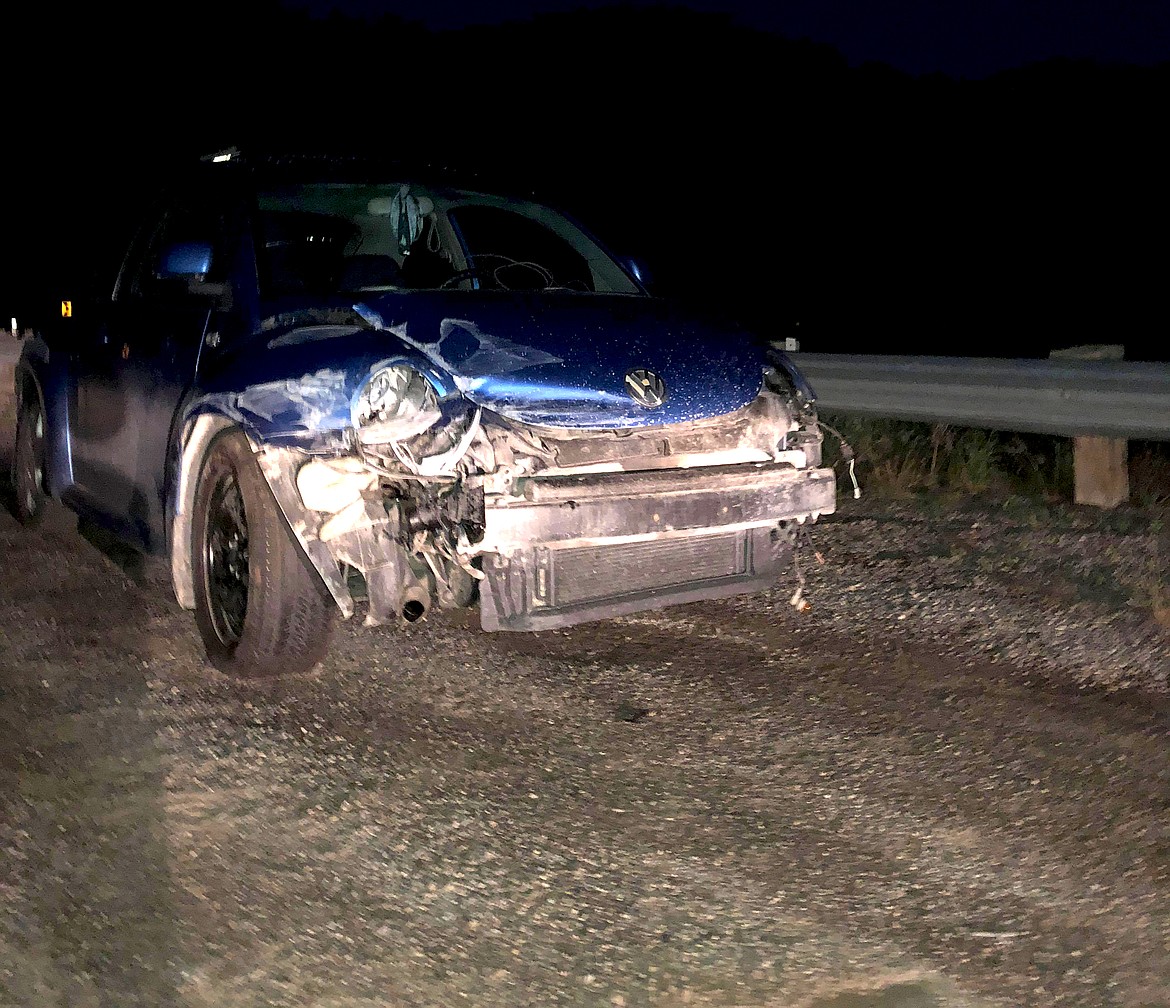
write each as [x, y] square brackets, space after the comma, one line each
[28, 464]
[261, 607]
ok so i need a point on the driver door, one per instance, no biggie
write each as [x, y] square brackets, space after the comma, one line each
[131, 376]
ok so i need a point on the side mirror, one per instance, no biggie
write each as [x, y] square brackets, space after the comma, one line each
[191, 261]
[185, 260]
[638, 271]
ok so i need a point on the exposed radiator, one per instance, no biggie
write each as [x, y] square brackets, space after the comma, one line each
[567, 576]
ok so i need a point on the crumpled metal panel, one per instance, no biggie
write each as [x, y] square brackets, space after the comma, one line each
[561, 359]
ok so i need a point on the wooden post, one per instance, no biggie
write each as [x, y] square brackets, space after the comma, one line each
[1100, 464]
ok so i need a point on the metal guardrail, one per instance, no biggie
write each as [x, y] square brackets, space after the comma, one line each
[1116, 399]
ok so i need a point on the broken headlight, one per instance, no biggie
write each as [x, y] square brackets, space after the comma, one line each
[395, 402]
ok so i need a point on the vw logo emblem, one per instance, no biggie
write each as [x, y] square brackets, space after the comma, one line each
[646, 388]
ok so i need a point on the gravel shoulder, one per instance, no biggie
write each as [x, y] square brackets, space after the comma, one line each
[943, 784]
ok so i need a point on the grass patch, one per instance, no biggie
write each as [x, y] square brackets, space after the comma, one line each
[1152, 589]
[899, 459]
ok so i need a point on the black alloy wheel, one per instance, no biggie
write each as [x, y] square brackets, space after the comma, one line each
[227, 559]
[260, 605]
[28, 464]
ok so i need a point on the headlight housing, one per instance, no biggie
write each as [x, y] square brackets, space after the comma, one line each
[784, 378]
[395, 402]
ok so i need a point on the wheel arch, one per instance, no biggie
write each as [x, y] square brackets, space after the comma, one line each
[44, 379]
[27, 385]
[198, 434]
[34, 370]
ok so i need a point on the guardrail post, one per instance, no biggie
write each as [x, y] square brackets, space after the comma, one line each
[1100, 464]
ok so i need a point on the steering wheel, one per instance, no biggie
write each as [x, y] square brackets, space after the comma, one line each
[483, 269]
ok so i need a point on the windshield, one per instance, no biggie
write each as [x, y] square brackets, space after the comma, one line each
[322, 239]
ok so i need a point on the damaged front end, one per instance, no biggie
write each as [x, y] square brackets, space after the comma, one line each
[427, 499]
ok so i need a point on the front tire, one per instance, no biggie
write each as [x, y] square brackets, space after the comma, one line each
[28, 464]
[261, 608]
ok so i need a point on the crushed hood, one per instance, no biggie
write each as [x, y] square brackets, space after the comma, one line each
[545, 359]
[561, 360]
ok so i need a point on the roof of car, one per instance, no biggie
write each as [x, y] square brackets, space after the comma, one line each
[277, 166]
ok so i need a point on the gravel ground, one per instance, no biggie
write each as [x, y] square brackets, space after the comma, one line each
[943, 784]
[1075, 595]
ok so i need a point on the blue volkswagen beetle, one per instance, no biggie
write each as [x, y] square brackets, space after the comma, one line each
[322, 386]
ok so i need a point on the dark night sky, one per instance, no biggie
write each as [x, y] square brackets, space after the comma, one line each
[962, 38]
[982, 177]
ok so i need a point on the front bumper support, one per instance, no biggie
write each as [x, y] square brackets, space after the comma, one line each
[568, 549]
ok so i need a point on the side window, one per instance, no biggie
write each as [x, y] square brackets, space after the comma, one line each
[177, 224]
[132, 262]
